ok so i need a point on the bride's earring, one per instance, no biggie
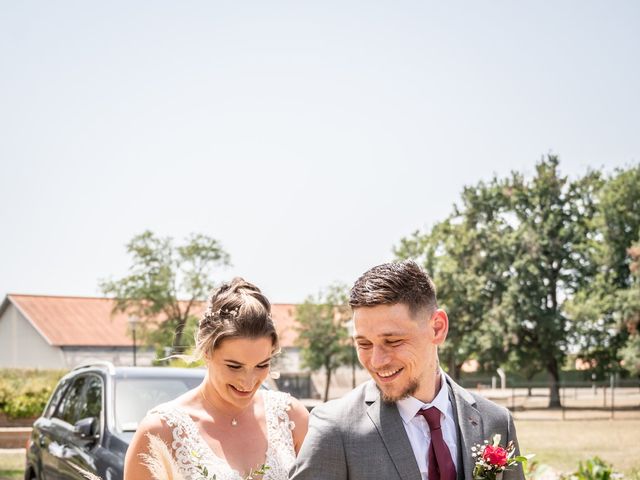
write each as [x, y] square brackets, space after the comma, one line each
[274, 375]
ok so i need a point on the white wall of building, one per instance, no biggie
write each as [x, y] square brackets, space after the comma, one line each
[119, 356]
[21, 346]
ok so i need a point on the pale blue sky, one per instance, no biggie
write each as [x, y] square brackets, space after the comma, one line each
[308, 137]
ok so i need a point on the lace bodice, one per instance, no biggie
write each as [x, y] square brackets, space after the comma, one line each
[192, 453]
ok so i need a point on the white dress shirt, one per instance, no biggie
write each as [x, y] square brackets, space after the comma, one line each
[418, 430]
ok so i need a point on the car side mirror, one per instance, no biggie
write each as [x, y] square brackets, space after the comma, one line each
[87, 428]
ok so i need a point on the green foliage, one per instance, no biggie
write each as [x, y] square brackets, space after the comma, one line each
[24, 393]
[607, 311]
[593, 469]
[161, 273]
[530, 268]
[630, 354]
[322, 333]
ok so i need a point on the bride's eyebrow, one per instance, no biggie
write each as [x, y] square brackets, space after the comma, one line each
[235, 362]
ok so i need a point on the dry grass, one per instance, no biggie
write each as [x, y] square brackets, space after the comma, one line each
[562, 444]
[11, 465]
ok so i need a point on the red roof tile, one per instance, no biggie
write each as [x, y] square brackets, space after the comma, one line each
[88, 321]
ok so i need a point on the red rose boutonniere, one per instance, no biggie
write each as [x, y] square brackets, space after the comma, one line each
[492, 459]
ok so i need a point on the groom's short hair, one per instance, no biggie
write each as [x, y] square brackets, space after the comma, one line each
[398, 282]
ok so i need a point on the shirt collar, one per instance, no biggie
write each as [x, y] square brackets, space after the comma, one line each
[408, 407]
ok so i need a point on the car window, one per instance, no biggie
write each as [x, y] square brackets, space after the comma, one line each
[83, 399]
[134, 397]
[72, 403]
[55, 398]
[93, 394]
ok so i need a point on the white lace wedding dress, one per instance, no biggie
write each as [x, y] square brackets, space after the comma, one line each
[192, 453]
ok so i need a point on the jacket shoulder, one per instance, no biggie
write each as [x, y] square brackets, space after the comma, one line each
[335, 411]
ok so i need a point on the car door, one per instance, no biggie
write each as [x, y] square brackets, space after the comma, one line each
[54, 443]
[82, 443]
[44, 433]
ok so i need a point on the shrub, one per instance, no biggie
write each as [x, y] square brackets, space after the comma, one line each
[593, 469]
[24, 393]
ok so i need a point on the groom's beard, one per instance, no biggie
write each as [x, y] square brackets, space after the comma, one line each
[407, 392]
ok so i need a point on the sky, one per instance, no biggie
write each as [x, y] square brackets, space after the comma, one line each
[307, 137]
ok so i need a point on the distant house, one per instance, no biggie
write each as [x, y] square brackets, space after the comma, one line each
[61, 332]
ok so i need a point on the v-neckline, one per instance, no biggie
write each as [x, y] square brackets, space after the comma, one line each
[217, 458]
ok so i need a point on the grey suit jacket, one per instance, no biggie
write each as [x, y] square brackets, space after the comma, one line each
[360, 437]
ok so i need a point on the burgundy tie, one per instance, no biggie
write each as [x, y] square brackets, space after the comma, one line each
[441, 466]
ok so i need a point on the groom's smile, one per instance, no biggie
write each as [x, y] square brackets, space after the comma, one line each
[398, 350]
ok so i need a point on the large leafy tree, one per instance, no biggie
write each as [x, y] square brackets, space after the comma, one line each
[164, 283]
[466, 257]
[322, 331]
[551, 262]
[628, 301]
[505, 263]
[604, 309]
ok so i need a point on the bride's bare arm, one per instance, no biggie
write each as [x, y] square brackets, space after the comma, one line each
[134, 467]
[300, 416]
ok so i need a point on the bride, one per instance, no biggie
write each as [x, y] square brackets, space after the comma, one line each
[228, 426]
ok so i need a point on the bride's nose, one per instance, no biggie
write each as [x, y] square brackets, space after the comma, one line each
[248, 381]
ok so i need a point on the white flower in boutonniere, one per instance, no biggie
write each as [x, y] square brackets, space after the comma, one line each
[491, 459]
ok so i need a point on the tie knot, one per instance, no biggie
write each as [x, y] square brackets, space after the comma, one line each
[432, 416]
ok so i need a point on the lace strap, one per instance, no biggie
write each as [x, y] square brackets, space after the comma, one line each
[184, 432]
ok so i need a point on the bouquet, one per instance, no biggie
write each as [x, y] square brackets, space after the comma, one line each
[491, 459]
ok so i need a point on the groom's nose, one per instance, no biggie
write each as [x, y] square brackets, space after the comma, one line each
[379, 356]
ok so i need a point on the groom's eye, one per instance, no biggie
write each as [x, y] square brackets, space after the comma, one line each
[364, 345]
[394, 343]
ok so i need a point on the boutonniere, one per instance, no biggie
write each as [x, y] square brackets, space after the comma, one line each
[491, 459]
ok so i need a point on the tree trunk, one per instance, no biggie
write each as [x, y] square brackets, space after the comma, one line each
[178, 347]
[453, 368]
[554, 384]
[326, 387]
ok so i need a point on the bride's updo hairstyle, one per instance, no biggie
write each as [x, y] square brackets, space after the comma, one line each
[235, 309]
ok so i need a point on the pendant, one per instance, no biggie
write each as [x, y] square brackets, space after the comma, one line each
[234, 422]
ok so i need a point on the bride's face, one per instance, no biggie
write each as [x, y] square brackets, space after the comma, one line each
[238, 366]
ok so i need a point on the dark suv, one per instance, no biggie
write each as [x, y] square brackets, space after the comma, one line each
[91, 417]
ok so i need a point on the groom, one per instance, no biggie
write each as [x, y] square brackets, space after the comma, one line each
[412, 421]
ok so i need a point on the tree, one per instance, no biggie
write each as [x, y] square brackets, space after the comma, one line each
[466, 257]
[322, 332]
[506, 261]
[628, 302]
[604, 309]
[164, 283]
[551, 262]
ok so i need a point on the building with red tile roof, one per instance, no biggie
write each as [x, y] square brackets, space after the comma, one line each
[41, 331]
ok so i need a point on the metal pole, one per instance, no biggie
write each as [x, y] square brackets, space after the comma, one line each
[134, 347]
[513, 399]
[613, 385]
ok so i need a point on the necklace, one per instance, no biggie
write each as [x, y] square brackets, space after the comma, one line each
[234, 421]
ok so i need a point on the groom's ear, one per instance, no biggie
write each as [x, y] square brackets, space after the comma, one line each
[440, 325]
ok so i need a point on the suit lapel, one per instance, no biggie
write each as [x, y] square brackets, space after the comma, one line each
[469, 425]
[389, 424]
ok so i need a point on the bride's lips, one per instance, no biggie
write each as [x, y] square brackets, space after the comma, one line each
[240, 393]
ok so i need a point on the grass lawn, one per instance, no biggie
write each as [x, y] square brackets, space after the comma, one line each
[562, 444]
[11, 466]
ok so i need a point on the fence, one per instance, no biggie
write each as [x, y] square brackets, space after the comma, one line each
[579, 400]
